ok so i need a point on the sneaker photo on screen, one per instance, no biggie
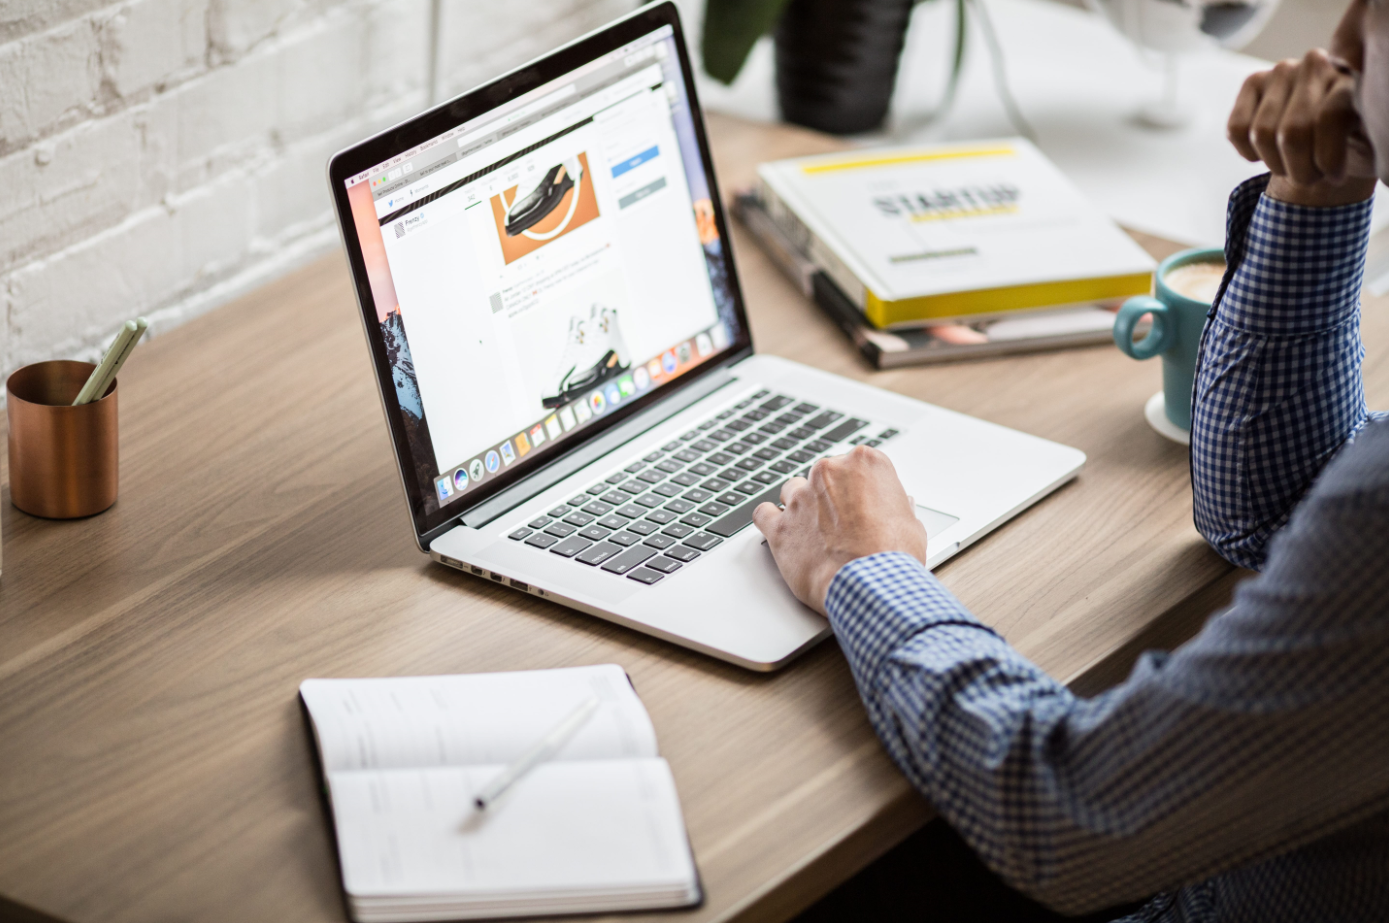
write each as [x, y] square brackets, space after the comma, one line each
[594, 352]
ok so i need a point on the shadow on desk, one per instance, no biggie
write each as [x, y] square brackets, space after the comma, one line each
[933, 874]
[10, 912]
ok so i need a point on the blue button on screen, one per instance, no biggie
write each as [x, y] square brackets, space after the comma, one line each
[633, 162]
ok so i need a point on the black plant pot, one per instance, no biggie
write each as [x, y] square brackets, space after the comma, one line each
[836, 62]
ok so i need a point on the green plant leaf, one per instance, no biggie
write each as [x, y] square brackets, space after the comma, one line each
[731, 28]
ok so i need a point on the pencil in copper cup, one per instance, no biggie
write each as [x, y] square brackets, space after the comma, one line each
[63, 459]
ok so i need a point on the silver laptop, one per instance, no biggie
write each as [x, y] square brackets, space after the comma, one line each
[563, 355]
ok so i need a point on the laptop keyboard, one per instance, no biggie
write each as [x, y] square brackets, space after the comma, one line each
[665, 510]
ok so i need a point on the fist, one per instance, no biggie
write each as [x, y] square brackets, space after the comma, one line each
[1300, 119]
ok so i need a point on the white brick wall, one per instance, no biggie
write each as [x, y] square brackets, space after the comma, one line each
[158, 157]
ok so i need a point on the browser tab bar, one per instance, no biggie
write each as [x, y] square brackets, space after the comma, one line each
[493, 143]
[470, 137]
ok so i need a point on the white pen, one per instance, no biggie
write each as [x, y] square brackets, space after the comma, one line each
[119, 346]
[543, 750]
[141, 325]
[111, 363]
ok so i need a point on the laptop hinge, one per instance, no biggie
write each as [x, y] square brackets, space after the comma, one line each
[562, 467]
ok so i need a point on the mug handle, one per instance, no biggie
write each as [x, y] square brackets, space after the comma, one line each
[1156, 340]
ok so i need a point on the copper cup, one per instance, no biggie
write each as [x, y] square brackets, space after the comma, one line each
[63, 459]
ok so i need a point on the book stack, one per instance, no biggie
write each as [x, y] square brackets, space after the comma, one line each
[929, 254]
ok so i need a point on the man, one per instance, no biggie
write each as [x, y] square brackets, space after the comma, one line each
[1245, 776]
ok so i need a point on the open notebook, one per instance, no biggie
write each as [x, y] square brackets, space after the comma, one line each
[598, 828]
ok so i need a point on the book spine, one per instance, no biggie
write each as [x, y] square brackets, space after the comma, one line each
[977, 304]
[809, 243]
[812, 282]
[995, 350]
[775, 244]
[841, 310]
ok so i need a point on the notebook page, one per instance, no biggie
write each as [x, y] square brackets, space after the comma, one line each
[476, 718]
[572, 828]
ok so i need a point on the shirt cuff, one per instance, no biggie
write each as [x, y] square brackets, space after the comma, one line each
[877, 603]
[1293, 269]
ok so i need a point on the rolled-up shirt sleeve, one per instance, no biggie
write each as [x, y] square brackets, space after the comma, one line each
[1278, 389]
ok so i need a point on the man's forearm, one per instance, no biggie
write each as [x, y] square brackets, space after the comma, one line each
[980, 730]
[1086, 803]
[1278, 388]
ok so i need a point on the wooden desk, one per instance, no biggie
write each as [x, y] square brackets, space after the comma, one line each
[153, 762]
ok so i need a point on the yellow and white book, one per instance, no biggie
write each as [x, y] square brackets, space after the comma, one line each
[951, 231]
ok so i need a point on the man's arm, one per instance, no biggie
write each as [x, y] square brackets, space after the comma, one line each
[1262, 734]
[1278, 388]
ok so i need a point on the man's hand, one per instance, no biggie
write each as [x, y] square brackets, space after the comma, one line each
[1300, 119]
[852, 506]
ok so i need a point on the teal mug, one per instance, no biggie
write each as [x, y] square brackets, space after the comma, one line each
[1178, 320]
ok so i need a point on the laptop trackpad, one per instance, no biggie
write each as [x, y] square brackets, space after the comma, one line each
[935, 521]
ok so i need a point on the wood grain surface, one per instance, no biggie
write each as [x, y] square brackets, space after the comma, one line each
[154, 764]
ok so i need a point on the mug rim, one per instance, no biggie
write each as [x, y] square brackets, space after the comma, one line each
[1184, 258]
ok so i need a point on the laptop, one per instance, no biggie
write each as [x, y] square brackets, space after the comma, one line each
[564, 358]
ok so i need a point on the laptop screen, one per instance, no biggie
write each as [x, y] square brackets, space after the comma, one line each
[540, 268]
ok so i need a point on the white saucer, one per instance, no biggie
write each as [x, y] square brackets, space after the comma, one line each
[1156, 412]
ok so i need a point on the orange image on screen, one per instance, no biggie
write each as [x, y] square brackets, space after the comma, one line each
[531, 214]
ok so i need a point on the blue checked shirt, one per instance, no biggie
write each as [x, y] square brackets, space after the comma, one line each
[1245, 776]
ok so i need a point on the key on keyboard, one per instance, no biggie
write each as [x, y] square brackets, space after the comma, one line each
[628, 559]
